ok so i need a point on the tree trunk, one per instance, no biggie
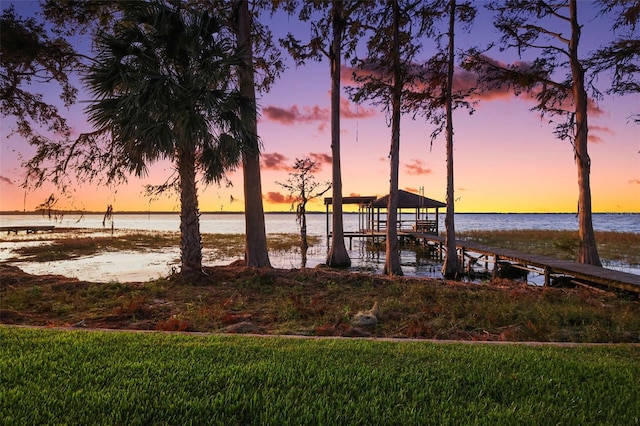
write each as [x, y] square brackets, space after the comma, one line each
[588, 251]
[256, 252]
[338, 256]
[190, 242]
[451, 265]
[392, 261]
[304, 244]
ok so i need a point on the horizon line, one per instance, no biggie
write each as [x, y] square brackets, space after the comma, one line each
[141, 212]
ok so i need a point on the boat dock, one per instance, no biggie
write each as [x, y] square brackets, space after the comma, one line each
[544, 265]
[28, 229]
[549, 267]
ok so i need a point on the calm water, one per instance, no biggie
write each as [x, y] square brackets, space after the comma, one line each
[129, 266]
[316, 222]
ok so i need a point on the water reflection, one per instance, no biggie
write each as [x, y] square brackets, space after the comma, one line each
[134, 266]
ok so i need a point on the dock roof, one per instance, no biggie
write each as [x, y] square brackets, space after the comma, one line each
[367, 199]
[409, 200]
[406, 200]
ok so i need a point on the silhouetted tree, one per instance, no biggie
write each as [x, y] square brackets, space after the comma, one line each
[256, 252]
[435, 98]
[31, 57]
[538, 26]
[396, 28]
[163, 87]
[303, 187]
[451, 265]
[620, 57]
[338, 21]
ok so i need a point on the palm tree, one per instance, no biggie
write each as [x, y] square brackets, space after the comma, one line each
[162, 88]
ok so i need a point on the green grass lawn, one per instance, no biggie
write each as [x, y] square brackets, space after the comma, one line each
[86, 377]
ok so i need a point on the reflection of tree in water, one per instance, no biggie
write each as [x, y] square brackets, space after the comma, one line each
[108, 217]
[427, 261]
[49, 209]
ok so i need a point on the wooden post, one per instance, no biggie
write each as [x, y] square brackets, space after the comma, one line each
[547, 276]
[327, 217]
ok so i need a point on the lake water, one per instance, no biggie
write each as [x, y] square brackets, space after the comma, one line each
[134, 267]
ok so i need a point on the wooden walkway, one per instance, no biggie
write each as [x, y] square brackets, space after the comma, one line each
[544, 265]
[28, 229]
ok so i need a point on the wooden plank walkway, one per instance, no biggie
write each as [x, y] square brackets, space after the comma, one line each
[548, 265]
[28, 229]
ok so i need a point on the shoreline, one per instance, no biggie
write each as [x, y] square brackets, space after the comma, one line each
[277, 212]
[130, 255]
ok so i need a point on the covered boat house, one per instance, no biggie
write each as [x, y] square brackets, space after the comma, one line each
[417, 214]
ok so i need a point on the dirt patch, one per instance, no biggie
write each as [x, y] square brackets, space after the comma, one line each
[321, 302]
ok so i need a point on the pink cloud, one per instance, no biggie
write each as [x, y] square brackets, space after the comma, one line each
[280, 115]
[6, 180]
[594, 138]
[417, 167]
[466, 81]
[293, 115]
[278, 198]
[348, 112]
[274, 161]
[320, 159]
[634, 181]
[312, 114]
[595, 131]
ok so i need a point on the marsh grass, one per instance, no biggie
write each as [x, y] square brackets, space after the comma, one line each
[71, 246]
[613, 247]
[323, 302]
[64, 377]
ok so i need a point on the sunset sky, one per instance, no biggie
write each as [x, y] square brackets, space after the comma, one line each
[506, 157]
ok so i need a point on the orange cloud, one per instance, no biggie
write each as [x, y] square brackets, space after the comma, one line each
[410, 189]
[274, 161]
[278, 198]
[634, 181]
[417, 167]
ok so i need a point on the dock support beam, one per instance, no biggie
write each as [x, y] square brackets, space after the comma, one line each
[547, 276]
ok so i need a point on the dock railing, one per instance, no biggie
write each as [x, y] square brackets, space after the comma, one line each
[426, 226]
